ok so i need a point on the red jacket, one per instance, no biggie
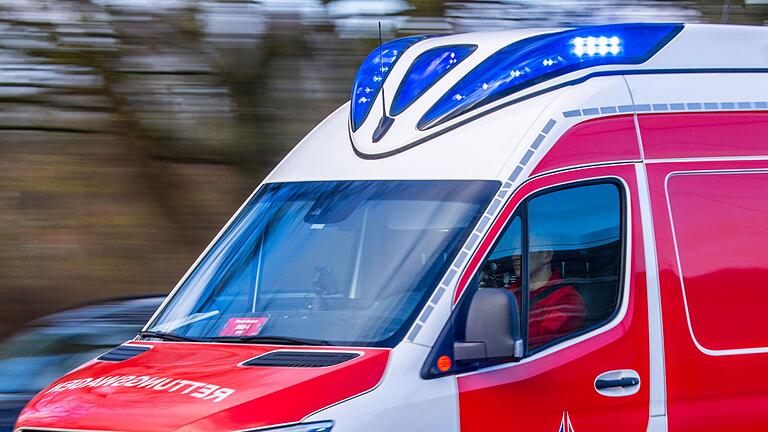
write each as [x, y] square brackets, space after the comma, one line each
[559, 312]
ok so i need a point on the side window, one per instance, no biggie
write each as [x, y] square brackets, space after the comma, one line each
[503, 266]
[561, 257]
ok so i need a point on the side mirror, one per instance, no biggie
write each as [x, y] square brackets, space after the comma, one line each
[492, 328]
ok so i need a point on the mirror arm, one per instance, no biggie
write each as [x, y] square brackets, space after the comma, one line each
[519, 349]
[469, 351]
[473, 351]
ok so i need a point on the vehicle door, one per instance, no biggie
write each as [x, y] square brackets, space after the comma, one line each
[569, 247]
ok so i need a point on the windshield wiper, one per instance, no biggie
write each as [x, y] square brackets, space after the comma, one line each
[168, 336]
[277, 340]
[175, 324]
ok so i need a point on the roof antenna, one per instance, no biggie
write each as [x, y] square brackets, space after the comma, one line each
[381, 69]
[386, 121]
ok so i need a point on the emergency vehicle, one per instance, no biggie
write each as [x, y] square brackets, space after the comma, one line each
[528, 230]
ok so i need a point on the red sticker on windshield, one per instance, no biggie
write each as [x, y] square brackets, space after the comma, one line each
[243, 326]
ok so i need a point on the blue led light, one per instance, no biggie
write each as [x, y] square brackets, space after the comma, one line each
[372, 74]
[539, 58]
[425, 71]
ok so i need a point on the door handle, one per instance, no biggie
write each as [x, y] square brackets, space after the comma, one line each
[623, 382]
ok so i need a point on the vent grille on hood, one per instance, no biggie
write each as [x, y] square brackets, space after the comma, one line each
[301, 359]
[123, 352]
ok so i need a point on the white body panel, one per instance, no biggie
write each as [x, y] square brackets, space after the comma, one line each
[658, 408]
[476, 151]
[488, 148]
[402, 402]
[707, 46]
[699, 92]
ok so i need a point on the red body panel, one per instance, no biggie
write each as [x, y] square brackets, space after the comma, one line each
[687, 135]
[534, 394]
[719, 230]
[262, 395]
[712, 392]
[727, 250]
[607, 139]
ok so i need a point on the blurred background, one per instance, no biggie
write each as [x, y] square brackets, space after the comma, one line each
[130, 131]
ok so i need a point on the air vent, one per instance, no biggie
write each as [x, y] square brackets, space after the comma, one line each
[301, 359]
[123, 352]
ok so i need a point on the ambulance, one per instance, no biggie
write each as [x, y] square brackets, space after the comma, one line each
[527, 230]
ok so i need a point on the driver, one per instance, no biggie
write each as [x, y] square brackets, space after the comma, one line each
[556, 307]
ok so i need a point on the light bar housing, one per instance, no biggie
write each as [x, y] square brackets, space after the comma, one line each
[534, 60]
[372, 74]
[425, 71]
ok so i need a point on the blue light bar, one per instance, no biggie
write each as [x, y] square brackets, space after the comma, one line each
[425, 71]
[372, 74]
[539, 58]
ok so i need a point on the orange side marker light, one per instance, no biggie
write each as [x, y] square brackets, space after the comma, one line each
[443, 363]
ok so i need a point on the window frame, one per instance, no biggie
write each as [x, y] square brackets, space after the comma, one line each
[452, 329]
[522, 212]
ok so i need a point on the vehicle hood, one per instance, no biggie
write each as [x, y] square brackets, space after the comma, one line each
[198, 387]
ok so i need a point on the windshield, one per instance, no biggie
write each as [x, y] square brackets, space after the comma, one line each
[346, 263]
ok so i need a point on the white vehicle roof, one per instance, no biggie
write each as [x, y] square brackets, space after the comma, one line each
[702, 67]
